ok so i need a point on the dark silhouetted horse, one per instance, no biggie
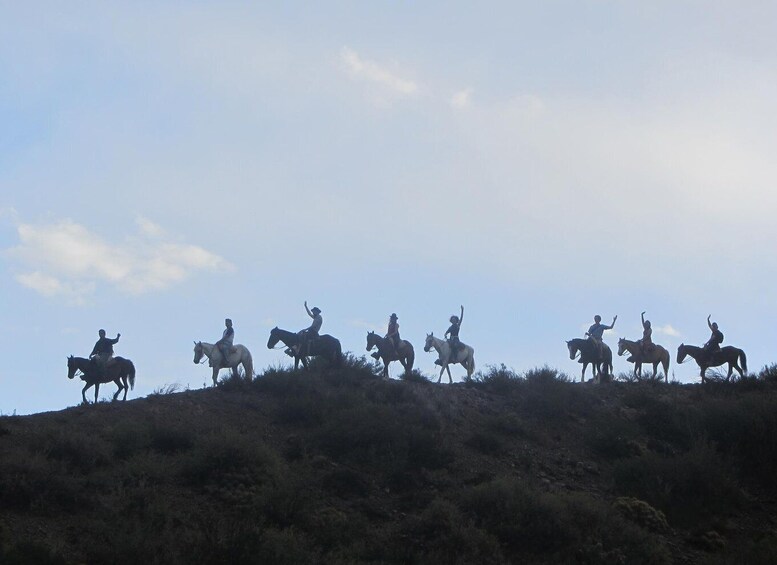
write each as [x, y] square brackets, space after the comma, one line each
[120, 371]
[324, 346]
[405, 354]
[601, 365]
[704, 359]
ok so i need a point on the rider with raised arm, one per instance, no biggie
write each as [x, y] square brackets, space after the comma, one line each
[713, 343]
[596, 332]
[310, 334]
[647, 336]
[224, 345]
[102, 352]
[392, 336]
[453, 332]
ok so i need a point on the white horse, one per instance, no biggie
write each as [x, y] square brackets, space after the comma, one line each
[239, 355]
[465, 356]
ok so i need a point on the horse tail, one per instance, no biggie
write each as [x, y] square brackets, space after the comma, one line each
[131, 374]
[743, 358]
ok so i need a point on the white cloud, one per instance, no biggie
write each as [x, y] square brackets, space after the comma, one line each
[462, 98]
[667, 330]
[374, 72]
[66, 259]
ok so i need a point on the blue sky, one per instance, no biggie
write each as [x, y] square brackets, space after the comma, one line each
[166, 165]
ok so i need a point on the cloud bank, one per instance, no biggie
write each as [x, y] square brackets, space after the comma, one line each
[67, 260]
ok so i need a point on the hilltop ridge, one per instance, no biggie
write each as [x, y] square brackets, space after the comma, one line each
[339, 466]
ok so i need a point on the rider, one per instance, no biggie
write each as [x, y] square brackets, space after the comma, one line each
[713, 343]
[596, 331]
[392, 335]
[453, 331]
[102, 352]
[224, 345]
[310, 333]
[647, 336]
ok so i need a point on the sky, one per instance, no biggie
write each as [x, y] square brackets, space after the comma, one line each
[164, 165]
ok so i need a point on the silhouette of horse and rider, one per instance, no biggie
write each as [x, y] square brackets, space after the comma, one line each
[645, 351]
[224, 354]
[451, 350]
[593, 350]
[102, 367]
[391, 347]
[308, 342]
[712, 355]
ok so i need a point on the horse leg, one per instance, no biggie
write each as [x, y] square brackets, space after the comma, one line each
[96, 391]
[83, 391]
[215, 374]
[235, 374]
[450, 379]
[126, 386]
[117, 381]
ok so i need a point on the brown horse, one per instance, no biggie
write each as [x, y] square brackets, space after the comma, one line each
[704, 359]
[120, 371]
[657, 355]
[405, 354]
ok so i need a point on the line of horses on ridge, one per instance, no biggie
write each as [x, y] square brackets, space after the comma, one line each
[601, 361]
[121, 371]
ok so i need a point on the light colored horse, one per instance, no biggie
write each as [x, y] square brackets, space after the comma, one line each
[465, 356]
[238, 356]
[656, 356]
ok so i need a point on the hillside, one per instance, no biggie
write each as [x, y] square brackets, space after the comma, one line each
[339, 466]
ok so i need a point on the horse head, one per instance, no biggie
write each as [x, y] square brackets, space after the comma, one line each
[621, 346]
[372, 340]
[197, 351]
[429, 343]
[681, 353]
[274, 338]
[71, 367]
[572, 346]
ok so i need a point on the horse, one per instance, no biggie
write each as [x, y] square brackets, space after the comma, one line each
[656, 356]
[323, 346]
[239, 355]
[465, 356]
[120, 371]
[405, 354]
[590, 354]
[705, 360]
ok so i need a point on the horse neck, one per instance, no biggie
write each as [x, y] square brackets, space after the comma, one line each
[287, 337]
[437, 343]
[630, 346]
[207, 348]
[82, 363]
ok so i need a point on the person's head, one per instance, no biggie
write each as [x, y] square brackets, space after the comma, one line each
[228, 323]
[454, 319]
[714, 325]
[597, 318]
[394, 317]
[647, 323]
[101, 333]
[316, 310]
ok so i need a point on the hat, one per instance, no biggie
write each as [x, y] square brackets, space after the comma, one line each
[394, 317]
[316, 310]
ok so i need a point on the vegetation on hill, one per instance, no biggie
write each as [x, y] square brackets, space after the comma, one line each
[339, 466]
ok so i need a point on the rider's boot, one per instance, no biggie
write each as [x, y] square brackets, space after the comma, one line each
[438, 362]
[376, 355]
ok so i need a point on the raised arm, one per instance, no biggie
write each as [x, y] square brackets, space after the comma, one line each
[709, 324]
[613, 323]
[643, 319]
[115, 341]
[308, 310]
[461, 318]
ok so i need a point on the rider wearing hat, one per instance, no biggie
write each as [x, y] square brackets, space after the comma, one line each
[102, 352]
[224, 345]
[453, 332]
[310, 333]
[392, 335]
